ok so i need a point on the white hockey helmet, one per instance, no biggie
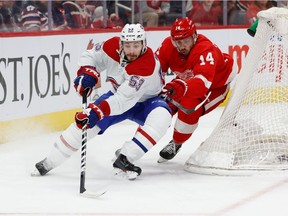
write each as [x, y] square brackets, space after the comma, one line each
[134, 32]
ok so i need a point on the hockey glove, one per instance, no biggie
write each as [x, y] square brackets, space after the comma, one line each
[175, 90]
[92, 116]
[87, 77]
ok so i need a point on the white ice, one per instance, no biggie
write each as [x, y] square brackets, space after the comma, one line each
[162, 189]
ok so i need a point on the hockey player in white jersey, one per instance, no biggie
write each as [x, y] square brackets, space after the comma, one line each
[136, 76]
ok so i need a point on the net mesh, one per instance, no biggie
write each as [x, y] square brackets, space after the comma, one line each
[252, 134]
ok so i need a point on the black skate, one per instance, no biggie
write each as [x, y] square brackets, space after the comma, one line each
[124, 168]
[42, 168]
[169, 152]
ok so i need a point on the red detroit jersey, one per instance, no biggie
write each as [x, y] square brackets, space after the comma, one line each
[205, 68]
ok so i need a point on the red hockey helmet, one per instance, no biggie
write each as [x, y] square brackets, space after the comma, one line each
[182, 28]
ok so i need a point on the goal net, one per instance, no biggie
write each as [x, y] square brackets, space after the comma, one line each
[252, 134]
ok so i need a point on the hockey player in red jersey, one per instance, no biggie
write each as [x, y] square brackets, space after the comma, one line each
[200, 68]
[135, 74]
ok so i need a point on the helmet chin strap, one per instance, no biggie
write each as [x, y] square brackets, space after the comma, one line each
[144, 43]
[122, 55]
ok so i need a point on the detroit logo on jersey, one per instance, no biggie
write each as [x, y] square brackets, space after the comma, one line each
[185, 75]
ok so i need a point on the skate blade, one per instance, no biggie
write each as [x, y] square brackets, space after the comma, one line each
[130, 175]
[162, 160]
[35, 173]
[92, 194]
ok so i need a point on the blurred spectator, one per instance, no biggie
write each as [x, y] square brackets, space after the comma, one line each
[162, 8]
[77, 15]
[176, 10]
[231, 6]
[206, 13]
[111, 8]
[113, 21]
[32, 19]
[58, 15]
[283, 4]
[123, 13]
[189, 6]
[253, 9]
[243, 5]
[235, 15]
[10, 13]
[2, 24]
[245, 11]
[150, 16]
[116, 20]
[271, 3]
[92, 5]
[58, 21]
[42, 6]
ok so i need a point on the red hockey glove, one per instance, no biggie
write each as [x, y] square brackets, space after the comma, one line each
[175, 89]
[87, 77]
[92, 116]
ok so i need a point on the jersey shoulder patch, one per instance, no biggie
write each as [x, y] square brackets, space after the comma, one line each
[111, 46]
[144, 65]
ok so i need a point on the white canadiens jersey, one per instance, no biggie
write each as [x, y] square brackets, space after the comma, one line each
[133, 82]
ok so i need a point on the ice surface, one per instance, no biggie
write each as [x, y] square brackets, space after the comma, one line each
[162, 189]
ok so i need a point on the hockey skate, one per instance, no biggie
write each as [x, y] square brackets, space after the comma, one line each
[42, 168]
[126, 169]
[169, 152]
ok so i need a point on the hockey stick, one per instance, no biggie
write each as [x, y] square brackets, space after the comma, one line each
[182, 108]
[83, 191]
